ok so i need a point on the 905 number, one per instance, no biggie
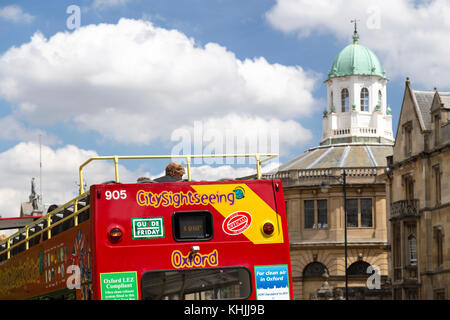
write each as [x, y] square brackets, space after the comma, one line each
[115, 195]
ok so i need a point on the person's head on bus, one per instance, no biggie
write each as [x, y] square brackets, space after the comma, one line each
[175, 170]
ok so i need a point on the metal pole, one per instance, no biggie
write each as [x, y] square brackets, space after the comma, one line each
[344, 175]
[188, 164]
[116, 168]
[258, 167]
[40, 172]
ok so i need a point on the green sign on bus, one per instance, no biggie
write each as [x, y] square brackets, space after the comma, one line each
[119, 286]
[147, 228]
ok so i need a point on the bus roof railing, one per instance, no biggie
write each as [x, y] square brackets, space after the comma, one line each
[17, 222]
[47, 225]
[259, 157]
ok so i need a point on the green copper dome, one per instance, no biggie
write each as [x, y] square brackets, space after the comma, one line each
[356, 59]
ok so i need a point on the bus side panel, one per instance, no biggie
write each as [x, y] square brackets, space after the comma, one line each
[49, 266]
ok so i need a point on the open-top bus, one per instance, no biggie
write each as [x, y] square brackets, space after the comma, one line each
[183, 240]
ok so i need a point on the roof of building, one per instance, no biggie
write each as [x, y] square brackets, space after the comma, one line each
[26, 209]
[445, 99]
[341, 156]
[423, 99]
[356, 59]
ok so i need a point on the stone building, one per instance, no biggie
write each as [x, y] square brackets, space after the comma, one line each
[34, 206]
[356, 138]
[418, 191]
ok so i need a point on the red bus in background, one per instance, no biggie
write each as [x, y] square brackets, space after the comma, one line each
[159, 241]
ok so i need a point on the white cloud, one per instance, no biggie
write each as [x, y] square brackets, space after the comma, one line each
[238, 134]
[210, 173]
[407, 37]
[135, 83]
[12, 129]
[15, 13]
[109, 3]
[60, 174]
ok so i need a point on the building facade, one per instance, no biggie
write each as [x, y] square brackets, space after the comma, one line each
[356, 139]
[418, 191]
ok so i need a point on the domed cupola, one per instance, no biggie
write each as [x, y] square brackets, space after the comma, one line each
[356, 59]
[357, 110]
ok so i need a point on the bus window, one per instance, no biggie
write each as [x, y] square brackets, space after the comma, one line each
[198, 284]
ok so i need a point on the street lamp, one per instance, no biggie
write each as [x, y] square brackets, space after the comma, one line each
[324, 188]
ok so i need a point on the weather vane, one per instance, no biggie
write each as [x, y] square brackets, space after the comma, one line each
[355, 34]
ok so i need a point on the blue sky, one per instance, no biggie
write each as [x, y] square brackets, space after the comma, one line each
[240, 26]
[85, 90]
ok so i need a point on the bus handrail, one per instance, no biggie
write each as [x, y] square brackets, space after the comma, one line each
[257, 156]
[48, 224]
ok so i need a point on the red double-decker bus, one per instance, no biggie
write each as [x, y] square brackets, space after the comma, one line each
[160, 241]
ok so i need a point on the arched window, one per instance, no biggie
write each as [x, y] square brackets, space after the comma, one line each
[358, 268]
[331, 99]
[364, 99]
[344, 100]
[314, 269]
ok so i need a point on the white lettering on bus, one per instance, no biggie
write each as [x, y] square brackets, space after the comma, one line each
[74, 280]
[116, 194]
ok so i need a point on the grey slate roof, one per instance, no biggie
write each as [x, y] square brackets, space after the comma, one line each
[445, 99]
[423, 100]
[341, 156]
